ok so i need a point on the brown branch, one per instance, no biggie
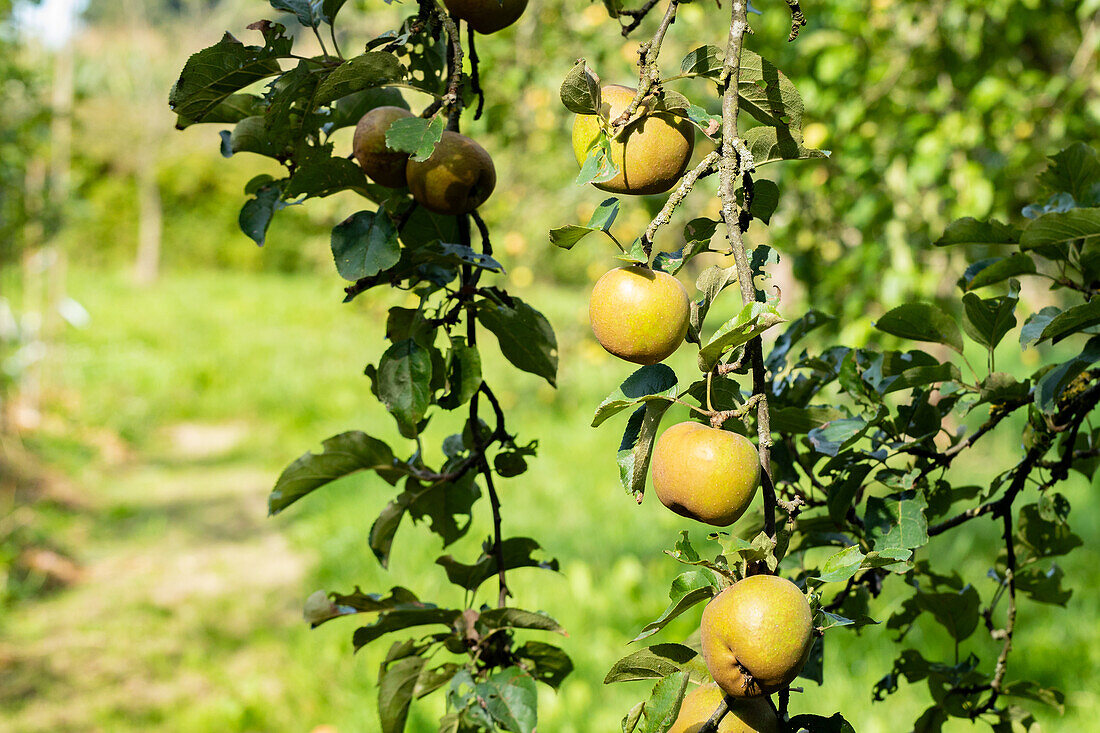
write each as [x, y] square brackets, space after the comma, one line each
[452, 100]
[638, 16]
[797, 19]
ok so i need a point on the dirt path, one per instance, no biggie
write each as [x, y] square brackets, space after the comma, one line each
[180, 566]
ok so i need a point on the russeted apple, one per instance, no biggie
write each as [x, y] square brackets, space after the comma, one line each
[384, 166]
[487, 16]
[705, 474]
[756, 635]
[638, 314]
[456, 179]
[651, 154]
[746, 716]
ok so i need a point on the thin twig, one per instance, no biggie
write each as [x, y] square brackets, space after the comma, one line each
[665, 214]
[647, 59]
[638, 16]
[711, 726]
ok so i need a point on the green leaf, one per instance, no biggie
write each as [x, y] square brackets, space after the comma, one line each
[415, 135]
[1043, 585]
[213, 74]
[688, 590]
[1051, 385]
[256, 214]
[636, 447]
[342, 455]
[710, 283]
[767, 94]
[830, 437]
[567, 236]
[329, 9]
[404, 378]
[821, 724]
[284, 118]
[1074, 170]
[1030, 690]
[600, 221]
[525, 336]
[598, 165]
[842, 565]
[545, 662]
[364, 244]
[403, 618]
[463, 374]
[922, 322]
[511, 699]
[956, 612]
[897, 521]
[395, 692]
[754, 319]
[968, 231]
[517, 618]
[659, 660]
[1061, 227]
[1045, 537]
[989, 320]
[765, 199]
[1036, 323]
[232, 109]
[654, 381]
[517, 551]
[633, 718]
[1000, 387]
[771, 144]
[801, 420]
[996, 269]
[663, 705]
[580, 91]
[320, 177]
[1072, 321]
[304, 11]
[702, 61]
[371, 69]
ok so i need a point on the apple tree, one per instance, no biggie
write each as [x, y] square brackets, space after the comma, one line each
[287, 106]
[855, 445]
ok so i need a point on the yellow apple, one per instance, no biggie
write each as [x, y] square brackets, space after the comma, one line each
[651, 154]
[384, 166]
[638, 314]
[746, 716]
[456, 179]
[487, 16]
[705, 474]
[756, 635]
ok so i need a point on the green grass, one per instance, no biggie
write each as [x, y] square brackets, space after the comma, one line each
[281, 359]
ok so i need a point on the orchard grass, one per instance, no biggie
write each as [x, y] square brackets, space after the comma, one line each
[269, 353]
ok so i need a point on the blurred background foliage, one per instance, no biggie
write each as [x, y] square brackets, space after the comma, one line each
[933, 110]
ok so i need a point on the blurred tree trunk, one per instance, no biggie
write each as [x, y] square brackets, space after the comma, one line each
[150, 223]
[150, 210]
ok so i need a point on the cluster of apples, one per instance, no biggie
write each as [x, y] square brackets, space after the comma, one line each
[459, 175]
[756, 634]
